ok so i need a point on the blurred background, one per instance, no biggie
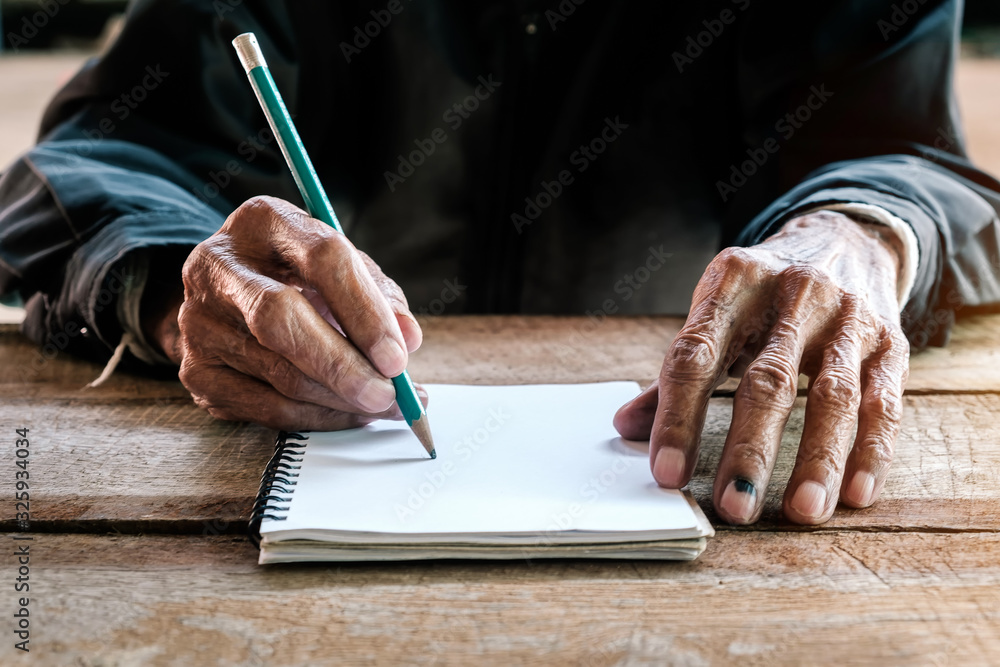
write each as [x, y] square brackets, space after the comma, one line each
[46, 41]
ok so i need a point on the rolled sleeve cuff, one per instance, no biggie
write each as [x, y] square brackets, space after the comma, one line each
[106, 277]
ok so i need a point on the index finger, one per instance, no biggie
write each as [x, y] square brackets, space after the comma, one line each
[697, 357]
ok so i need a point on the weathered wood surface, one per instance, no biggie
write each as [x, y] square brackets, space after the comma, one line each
[913, 580]
[752, 598]
[511, 350]
[164, 465]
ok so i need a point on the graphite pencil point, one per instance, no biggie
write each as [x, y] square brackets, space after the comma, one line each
[422, 429]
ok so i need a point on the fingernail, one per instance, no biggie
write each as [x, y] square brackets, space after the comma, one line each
[810, 499]
[377, 395]
[389, 357]
[739, 500]
[861, 488]
[668, 468]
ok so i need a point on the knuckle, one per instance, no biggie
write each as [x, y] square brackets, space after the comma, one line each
[323, 250]
[342, 377]
[186, 317]
[823, 458]
[253, 208]
[771, 381]
[190, 373]
[750, 459]
[804, 274]
[838, 390]
[692, 355]
[877, 452]
[195, 264]
[886, 402]
[734, 258]
[269, 305]
[262, 217]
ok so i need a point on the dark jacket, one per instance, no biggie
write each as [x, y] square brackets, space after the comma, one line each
[562, 156]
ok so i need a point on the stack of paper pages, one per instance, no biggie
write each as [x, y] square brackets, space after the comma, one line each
[522, 472]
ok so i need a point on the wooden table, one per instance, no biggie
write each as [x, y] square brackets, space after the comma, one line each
[139, 501]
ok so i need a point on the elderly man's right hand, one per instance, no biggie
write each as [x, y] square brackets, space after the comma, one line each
[260, 334]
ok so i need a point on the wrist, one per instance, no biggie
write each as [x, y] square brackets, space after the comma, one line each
[160, 305]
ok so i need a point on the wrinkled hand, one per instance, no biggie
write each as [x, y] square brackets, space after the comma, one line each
[819, 298]
[260, 333]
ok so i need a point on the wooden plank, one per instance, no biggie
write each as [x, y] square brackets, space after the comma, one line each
[757, 598]
[511, 350]
[945, 474]
[42, 373]
[163, 465]
[970, 362]
[135, 465]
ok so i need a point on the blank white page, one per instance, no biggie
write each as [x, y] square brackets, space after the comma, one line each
[516, 465]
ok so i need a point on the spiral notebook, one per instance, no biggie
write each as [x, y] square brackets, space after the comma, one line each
[533, 471]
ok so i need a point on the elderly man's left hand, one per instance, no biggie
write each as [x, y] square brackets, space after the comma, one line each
[818, 298]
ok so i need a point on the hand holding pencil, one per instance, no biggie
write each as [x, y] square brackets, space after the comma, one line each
[285, 323]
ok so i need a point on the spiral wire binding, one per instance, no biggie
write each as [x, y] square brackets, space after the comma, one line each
[276, 482]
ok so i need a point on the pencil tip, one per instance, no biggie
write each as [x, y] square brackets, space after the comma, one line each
[422, 429]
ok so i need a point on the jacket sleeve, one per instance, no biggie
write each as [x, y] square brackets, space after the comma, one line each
[136, 165]
[859, 107]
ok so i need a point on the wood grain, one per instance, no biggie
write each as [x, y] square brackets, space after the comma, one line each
[511, 350]
[163, 465]
[913, 580]
[757, 599]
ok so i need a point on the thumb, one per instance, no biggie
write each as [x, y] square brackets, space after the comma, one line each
[634, 420]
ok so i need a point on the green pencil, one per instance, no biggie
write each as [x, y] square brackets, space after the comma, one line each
[316, 201]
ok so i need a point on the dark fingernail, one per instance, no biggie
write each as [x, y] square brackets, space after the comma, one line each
[739, 500]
